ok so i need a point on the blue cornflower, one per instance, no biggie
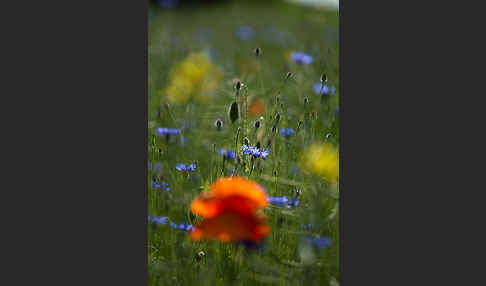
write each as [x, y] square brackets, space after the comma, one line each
[321, 242]
[286, 132]
[158, 220]
[244, 33]
[164, 186]
[245, 149]
[227, 153]
[264, 153]
[278, 200]
[163, 131]
[301, 58]
[283, 201]
[293, 203]
[186, 168]
[324, 89]
[250, 150]
[184, 226]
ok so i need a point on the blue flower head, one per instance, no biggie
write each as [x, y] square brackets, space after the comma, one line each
[163, 131]
[245, 149]
[227, 153]
[323, 89]
[244, 33]
[250, 150]
[301, 58]
[318, 241]
[264, 153]
[186, 168]
[278, 200]
[158, 220]
[164, 186]
[283, 201]
[286, 132]
[184, 226]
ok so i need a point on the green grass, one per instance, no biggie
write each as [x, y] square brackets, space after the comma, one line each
[285, 259]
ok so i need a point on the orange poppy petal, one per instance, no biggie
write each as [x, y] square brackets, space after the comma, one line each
[210, 206]
[257, 107]
[240, 187]
[231, 227]
[206, 206]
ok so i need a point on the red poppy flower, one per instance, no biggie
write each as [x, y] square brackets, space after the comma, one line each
[233, 194]
[232, 226]
[257, 107]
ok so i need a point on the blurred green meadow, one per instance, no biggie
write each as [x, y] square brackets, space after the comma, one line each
[217, 42]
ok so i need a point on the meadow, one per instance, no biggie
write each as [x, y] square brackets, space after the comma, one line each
[235, 74]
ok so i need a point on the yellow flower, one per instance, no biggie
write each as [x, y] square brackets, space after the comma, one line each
[194, 76]
[322, 159]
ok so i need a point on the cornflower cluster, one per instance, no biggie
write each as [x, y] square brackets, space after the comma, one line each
[186, 168]
[164, 220]
[250, 150]
[164, 186]
[163, 131]
[283, 201]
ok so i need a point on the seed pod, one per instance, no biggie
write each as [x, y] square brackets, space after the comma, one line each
[314, 115]
[257, 145]
[257, 124]
[246, 141]
[306, 101]
[323, 78]
[200, 255]
[274, 129]
[258, 52]
[289, 74]
[233, 112]
[219, 124]
[238, 85]
[275, 173]
[277, 117]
